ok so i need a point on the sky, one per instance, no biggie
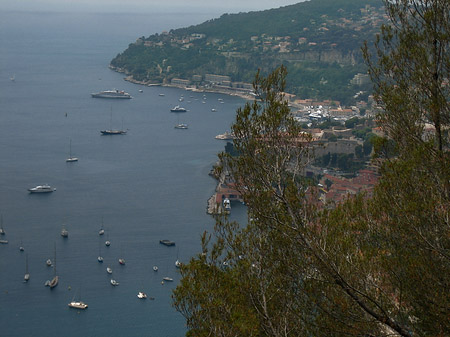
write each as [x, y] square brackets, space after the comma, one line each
[144, 6]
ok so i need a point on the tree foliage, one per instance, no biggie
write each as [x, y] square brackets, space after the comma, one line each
[376, 266]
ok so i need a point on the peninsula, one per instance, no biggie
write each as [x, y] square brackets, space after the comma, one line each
[318, 41]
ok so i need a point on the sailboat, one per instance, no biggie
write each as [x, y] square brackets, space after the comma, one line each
[177, 262]
[2, 231]
[54, 282]
[71, 159]
[100, 257]
[179, 125]
[101, 230]
[77, 304]
[26, 277]
[64, 232]
[111, 131]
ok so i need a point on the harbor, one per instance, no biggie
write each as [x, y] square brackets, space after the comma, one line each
[148, 185]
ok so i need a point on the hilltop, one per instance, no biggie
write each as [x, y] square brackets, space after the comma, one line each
[319, 41]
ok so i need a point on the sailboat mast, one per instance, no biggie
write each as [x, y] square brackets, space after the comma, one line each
[54, 264]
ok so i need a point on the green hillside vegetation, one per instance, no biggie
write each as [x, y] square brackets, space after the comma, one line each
[318, 41]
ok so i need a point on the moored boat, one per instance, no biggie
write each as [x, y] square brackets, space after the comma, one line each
[167, 242]
[111, 94]
[178, 108]
[114, 282]
[142, 295]
[42, 189]
[71, 159]
[225, 136]
[54, 281]
[64, 232]
[113, 132]
[2, 230]
[181, 126]
[26, 277]
[78, 305]
[227, 205]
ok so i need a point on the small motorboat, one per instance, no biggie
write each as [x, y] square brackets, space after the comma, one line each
[167, 242]
[48, 262]
[114, 282]
[107, 243]
[108, 270]
[142, 295]
[155, 268]
[42, 189]
[168, 279]
[181, 126]
[100, 259]
[78, 305]
[64, 233]
[122, 261]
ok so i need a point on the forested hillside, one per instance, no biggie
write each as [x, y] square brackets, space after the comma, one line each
[318, 41]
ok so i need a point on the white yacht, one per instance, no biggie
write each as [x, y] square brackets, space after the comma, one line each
[111, 94]
[155, 268]
[178, 109]
[42, 189]
[108, 270]
[182, 126]
[78, 305]
[142, 295]
[227, 205]
[64, 232]
[114, 282]
[225, 136]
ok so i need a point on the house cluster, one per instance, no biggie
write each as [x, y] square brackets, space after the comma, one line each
[309, 111]
[213, 82]
[309, 36]
[184, 42]
[371, 16]
[334, 190]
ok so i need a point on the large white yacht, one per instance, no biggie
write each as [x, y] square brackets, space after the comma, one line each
[111, 94]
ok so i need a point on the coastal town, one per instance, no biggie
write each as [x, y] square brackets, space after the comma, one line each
[341, 140]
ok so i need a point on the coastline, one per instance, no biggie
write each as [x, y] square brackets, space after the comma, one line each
[218, 90]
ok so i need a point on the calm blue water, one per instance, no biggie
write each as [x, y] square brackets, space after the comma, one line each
[147, 185]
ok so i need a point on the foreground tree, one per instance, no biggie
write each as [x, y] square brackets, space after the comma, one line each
[369, 267]
[411, 73]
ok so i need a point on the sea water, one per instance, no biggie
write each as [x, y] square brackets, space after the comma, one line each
[147, 185]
